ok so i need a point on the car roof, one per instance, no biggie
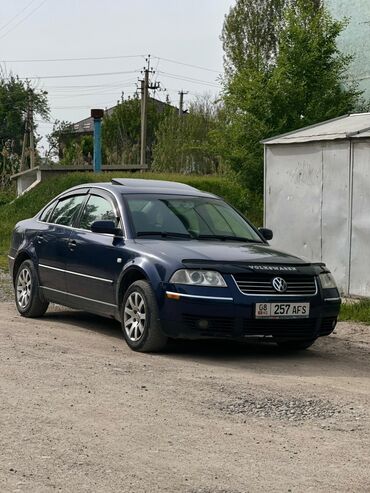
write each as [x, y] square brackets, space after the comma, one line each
[128, 186]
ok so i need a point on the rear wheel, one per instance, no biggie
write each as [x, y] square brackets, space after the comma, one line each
[29, 301]
[295, 345]
[140, 320]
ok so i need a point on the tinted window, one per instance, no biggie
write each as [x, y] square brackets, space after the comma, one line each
[97, 209]
[66, 210]
[46, 213]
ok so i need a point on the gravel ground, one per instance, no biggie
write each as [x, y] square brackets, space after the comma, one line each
[6, 289]
[79, 411]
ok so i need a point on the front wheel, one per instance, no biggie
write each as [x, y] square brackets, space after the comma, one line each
[295, 345]
[140, 320]
[28, 299]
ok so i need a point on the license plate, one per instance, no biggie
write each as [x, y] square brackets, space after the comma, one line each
[282, 310]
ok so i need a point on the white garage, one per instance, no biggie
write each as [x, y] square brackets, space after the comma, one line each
[317, 197]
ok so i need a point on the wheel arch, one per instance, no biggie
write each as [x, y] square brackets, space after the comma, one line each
[127, 277]
[20, 258]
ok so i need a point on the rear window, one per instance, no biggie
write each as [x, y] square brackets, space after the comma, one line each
[46, 212]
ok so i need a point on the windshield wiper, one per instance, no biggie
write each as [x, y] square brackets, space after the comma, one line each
[163, 234]
[226, 238]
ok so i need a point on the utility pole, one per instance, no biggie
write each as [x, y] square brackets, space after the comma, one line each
[28, 137]
[31, 129]
[181, 103]
[145, 86]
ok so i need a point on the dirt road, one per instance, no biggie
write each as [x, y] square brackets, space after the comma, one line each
[79, 411]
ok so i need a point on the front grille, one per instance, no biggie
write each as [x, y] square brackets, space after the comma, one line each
[297, 328]
[220, 325]
[262, 284]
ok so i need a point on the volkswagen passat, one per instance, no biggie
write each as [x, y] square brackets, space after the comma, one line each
[168, 261]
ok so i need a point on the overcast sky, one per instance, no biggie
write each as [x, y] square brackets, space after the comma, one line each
[185, 31]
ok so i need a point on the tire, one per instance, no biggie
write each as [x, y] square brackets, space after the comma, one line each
[295, 345]
[140, 320]
[30, 303]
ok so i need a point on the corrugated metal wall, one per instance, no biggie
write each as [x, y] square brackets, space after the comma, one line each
[312, 191]
[360, 244]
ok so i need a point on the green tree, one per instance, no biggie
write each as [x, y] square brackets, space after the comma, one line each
[304, 83]
[59, 139]
[15, 97]
[310, 82]
[121, 130]
[185, 144]
[250, 34]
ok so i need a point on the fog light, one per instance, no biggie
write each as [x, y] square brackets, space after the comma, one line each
[203, 324]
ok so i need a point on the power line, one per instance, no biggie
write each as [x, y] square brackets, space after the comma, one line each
[189, 79]
[64, 96]
[75, 88]
[41, 60]
[67, 89]
[79, 106]
[187, 64]
[20, 12]
[109, 57]
[98, 74]
[23, 19]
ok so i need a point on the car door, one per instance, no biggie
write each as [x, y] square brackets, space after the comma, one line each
[51, 241]
[95, 259]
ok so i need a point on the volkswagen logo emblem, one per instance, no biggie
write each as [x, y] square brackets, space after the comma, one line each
[279, 284]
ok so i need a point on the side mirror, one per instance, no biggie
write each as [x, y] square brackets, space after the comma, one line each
[266, 233]
[107, 227]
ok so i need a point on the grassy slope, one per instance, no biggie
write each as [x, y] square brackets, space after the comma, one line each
[359, 312]
[30, 203]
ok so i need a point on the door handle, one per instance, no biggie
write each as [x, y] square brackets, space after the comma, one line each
[72, 245]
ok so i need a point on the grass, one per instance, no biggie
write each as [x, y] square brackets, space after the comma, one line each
[7, 196]
[29, 204]
[357, 311]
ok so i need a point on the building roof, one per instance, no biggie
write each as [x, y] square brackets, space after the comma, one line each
[86, 126]
[343, 127]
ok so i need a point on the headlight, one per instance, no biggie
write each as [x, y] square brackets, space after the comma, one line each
[327, 281]
[198, 278]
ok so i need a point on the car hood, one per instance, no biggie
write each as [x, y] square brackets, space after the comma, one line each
[222, 255]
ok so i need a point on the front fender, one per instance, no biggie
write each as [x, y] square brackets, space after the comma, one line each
[147, 270]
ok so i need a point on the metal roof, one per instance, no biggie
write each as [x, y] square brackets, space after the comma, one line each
[86, 126]
[343, 127]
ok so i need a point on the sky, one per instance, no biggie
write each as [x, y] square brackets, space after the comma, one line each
[182, 37]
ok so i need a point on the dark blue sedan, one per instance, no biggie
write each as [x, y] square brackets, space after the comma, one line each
[168, 261]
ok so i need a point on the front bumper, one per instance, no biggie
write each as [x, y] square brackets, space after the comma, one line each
[193, 313]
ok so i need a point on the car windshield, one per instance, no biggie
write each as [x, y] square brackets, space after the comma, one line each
[188, 217]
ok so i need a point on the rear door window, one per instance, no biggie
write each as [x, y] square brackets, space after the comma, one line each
[66, 210]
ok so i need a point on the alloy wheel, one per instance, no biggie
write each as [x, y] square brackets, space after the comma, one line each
[24, 286]
[134, 316]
